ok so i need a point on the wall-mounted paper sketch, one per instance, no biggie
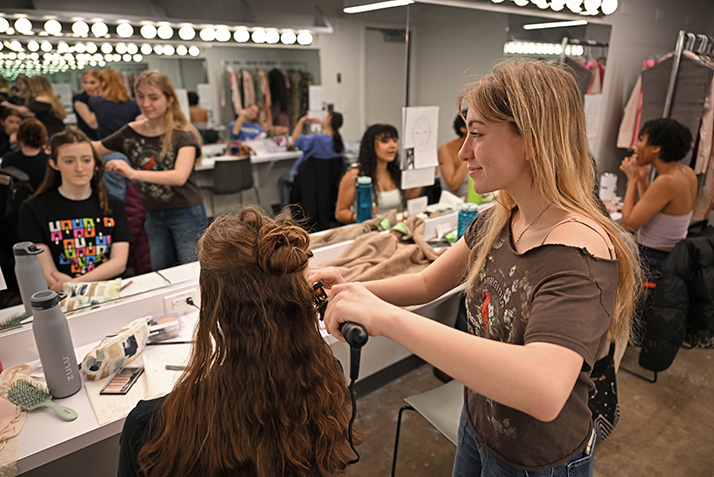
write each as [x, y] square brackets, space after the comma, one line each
[420, 126]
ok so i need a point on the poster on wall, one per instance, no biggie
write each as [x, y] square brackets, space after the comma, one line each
[420, 125]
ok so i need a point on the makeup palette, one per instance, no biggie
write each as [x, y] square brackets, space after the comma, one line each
[123, 381]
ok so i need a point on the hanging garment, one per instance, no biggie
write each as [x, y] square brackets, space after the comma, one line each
[630, 121]
[706, 128]
[265, 86]
[248, 88]
[692, 85]
[296, 86]
[235, 92]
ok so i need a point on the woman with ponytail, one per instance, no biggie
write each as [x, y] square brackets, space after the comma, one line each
[262, 395]
[85, 232]
[162, 148]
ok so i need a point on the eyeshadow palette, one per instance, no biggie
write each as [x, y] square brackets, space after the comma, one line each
[123, 381]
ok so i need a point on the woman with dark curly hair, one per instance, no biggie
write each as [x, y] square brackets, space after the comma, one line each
[378, 159]
[262, 394]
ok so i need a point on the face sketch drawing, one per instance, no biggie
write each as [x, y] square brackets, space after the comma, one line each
[421, 133]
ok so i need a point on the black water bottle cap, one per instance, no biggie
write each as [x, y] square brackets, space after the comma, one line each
[25, 248]
[45, 299]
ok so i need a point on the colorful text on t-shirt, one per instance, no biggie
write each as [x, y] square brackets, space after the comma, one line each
[83, 248]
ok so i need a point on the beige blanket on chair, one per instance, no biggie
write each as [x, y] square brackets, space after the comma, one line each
[378, 255]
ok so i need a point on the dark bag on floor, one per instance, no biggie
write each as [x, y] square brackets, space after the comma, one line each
[602, 400]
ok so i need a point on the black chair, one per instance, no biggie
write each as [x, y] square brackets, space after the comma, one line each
[314, 193]
[232, 176]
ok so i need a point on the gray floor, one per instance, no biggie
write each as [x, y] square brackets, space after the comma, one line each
[665, 429]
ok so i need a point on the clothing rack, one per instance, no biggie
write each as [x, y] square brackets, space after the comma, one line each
[705, 46]
[265, 63]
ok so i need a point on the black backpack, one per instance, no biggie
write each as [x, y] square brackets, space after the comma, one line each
[15, 188]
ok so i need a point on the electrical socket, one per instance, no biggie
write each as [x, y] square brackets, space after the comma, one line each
[177, 303]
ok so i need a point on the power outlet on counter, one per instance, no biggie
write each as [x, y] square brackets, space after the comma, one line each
[178, 303]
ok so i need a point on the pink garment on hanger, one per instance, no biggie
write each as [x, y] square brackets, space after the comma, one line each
[630, 120]
[235, 92]
[706, 133]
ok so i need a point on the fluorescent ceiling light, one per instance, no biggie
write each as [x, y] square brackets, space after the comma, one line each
[377, 6]
[541, 26]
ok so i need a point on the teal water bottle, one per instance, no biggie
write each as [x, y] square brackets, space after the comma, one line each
[467, 213]
[363, 199]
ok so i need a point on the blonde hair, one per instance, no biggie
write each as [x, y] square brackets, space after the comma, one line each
[41, 86]
[113, 87]
[543, 104]
[174, 120]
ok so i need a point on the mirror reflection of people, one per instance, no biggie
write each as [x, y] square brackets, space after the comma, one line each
[663, 211]
[377, 159]
[549, 281]
[162, 148]
[453, 171]
[262, 394]
[31, 157]
[246, 125]
[43, 104]
[85, 232]
[9, 124]
[21, 90]
[199, 115]
[86, 120]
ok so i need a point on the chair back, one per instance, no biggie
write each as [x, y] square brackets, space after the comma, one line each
[232, 176]
[315, 190]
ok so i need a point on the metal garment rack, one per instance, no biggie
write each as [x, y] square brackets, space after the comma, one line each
[705, 47]
[264, 63]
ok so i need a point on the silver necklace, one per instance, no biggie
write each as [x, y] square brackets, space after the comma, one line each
[531, 224]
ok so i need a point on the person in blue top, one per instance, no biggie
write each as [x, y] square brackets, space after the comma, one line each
[326, 145]
[246, 126]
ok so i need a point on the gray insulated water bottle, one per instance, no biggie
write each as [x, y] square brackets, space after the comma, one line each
[54, 343]
[28, 270]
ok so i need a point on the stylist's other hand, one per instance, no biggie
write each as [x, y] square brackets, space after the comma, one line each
[121, 168]
[353, 302]
[329, 277]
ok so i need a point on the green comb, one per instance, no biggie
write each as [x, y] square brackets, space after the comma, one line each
[29, 395]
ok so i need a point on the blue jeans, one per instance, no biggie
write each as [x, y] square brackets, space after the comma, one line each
[173, 235]
[116, 184]
[474, 460]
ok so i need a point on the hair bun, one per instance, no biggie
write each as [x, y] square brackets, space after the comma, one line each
[282, 250]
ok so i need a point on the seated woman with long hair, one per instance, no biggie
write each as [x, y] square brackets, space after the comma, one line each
[262, 394]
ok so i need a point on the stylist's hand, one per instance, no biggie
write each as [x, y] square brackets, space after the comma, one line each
[60, 278]
[121, 168]
[353, 302]
[329, 277]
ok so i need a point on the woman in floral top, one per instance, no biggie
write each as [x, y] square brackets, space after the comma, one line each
[549, 280]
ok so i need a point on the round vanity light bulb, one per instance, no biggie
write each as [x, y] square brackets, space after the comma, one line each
[4, 25]
[258, 36]
[186, 33]
[158, 49]
[46, 46]
[241, 35]
[591, 6]
[91, 47]
[124, 30]
[100, 29]
[62, 47]
[272, 37]
[132, 49]
[106, 48]
[169, 50]
[80, 28]
[304, 38]
[608, 7]
[146, 49]
[148, 31]
[137, 58]
[126, 58]
[521, 3]
[181, 50]
[207, 34]
[288, 38]
[223, 34]
[120, 48]
[194, 51]
[80, 48]
[165, 32]
[116, 57]
[15, 45]
[53, 27]
[33, 46]
[557, 5]
[574, 5]
[23, 25]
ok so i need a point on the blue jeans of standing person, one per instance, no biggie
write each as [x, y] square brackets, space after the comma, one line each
[474, 460]
[173, 234]
[116, 184]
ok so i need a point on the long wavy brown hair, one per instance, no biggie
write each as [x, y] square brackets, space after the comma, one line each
[53, 178]
[262, 394]
[113, 86]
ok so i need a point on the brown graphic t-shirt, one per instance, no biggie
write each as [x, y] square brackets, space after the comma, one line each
[555, 294]
[144, 154]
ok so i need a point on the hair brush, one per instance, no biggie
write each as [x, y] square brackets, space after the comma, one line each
[29, 395]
